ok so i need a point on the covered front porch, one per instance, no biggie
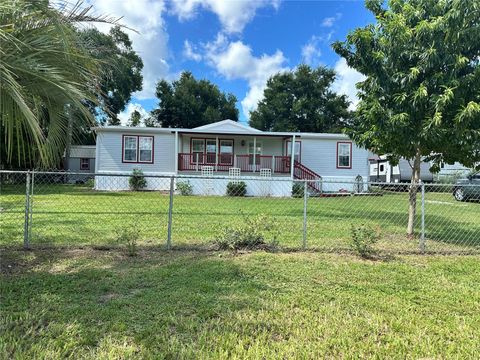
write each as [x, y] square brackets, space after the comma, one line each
[246, 163]
[252, 155]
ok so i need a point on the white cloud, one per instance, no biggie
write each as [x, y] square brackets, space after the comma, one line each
[131, 107]
[330, 21]
[189, 52]
[233, 15]
[346, 80]
[311, 52]
[235, 60]
[145, 16]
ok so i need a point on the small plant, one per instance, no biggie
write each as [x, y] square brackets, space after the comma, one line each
[237, 188]
[137, 180]
[129, 236]
[251, 233]
[364, 237]
[90, 183]
[297, 190]
[185, 188]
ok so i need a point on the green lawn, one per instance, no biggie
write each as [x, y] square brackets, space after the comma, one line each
[74, 215]
[86, 303]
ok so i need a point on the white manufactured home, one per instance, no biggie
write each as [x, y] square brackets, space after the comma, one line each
[225, 149]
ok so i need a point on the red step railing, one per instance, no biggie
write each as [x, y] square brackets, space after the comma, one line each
[302, 172]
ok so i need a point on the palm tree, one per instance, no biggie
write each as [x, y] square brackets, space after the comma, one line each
[46, 76]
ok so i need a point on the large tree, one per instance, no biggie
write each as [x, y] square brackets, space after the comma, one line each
[421, 97]
[121, 71]
[301, 100]
[46, 75]
[135, 118]
[188, 103]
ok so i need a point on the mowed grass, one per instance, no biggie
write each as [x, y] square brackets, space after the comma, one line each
[85, 303]
[76, 215]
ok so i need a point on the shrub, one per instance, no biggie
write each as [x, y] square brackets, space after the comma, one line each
[237, 188]
[137, 180]
[297, 190]
[250, 233]
[185, 188]
[129, 236]
[364, 237]
[90, 183]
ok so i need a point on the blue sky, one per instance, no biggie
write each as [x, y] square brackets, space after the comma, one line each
[237, 45]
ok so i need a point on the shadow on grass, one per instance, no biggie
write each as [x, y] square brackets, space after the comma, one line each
[75, 303]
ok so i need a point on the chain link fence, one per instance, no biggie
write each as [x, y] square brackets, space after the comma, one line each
[71, 209]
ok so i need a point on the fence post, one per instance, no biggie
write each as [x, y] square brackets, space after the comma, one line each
[422, 236]
[26, 226]
[170, 208]
[305, 196]
[30, 205]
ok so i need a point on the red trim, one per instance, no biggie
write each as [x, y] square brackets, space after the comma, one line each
[350, 162]
[232, 153]
[286, 149]
[204, 157]
[192, 162]
[88, 164]
[137, 161]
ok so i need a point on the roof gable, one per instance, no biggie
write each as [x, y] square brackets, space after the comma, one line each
[226, 126]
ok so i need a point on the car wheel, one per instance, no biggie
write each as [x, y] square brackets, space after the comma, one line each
[459, 194]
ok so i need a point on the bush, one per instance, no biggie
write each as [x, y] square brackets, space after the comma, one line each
[237, 188]
[129, 236]
[185, 188]
[251, 233]
[90, 183]
[364, 237]
[137, 180]
[298, 190]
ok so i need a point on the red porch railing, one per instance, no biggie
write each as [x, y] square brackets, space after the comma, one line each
[194, 162]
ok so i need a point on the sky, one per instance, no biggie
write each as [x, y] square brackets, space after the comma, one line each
[235, 44]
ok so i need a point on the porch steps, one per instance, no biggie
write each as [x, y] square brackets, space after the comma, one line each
[302, 172]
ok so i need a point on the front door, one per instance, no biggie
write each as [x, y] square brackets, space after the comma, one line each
[211, 147]
[225, 156]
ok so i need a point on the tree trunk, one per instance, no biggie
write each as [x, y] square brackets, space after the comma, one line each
[412, 194]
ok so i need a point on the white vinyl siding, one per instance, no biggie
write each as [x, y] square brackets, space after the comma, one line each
[320, 156]
[109, 154]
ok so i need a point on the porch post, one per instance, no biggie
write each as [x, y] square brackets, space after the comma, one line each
[273, 164]
[292, 155]
[216, 153]
[176, 152]
[254, 153]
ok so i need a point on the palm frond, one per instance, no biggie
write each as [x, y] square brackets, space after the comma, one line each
[44, 70]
